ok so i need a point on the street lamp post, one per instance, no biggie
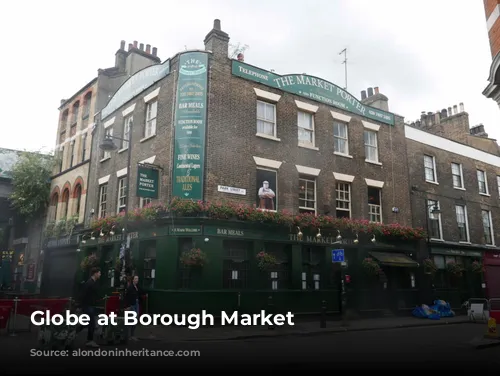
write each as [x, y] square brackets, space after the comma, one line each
[109, 145]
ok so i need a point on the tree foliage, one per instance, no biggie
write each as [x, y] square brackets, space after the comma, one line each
[31, 184]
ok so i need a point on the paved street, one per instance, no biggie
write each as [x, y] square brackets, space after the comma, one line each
[425, 347]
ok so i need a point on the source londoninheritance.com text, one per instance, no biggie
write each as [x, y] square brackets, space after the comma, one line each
[113, 352]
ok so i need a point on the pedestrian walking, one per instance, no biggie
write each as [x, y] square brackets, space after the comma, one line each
[132, 299]
[88, 300]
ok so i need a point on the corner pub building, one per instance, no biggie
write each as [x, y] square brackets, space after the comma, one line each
[219, 156]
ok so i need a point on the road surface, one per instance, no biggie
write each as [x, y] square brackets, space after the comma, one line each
[446, 347]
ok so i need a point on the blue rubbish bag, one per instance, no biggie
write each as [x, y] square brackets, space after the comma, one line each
[443, 308]
[419, 312]
[425, 313]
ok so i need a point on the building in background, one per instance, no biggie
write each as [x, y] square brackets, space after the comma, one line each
[20, 242]
[492, 10]
[454, 174]
[67, 210]
[206, 127]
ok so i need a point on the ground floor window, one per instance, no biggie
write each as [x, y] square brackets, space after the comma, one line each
[312, 260]
[278, 277]
[236, 264]
[184, 271]
[149, 267]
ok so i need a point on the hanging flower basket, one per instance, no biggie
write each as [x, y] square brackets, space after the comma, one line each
[477, 267]
[371, 266]
[455, 269]
[429, 266]
[89, 262]
[194, 257]
[266, 261]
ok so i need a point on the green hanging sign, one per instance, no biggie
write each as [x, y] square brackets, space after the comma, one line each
[148, 180]
[190, 123]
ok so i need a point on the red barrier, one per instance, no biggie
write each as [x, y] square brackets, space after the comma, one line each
[113, 305]
[26, 307]
[5, 311]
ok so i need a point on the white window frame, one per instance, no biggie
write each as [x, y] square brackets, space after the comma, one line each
[478, 173]
[127, 122]
[309, 130]
[466, 222]
[434, 172]
[490, 222]
[150, 124]
[275, 131]
[375, 133]
[431, 216]
[460, 175]
[337, 191]
[308, 179]
[143, 201]
[103, 191]
[107, 132]
[498, 185]
[121, 193]
[372, 206]
[346, 139]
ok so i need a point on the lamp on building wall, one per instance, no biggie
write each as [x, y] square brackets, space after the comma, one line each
[108, 145]
[299, 234]
[339, 237]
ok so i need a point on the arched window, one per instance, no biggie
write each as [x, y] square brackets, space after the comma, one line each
[86, 104]
[78, 198]
[74, 115]
[53, 206]
[65, 202]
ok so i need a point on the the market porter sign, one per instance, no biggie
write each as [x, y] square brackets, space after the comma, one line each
[313, 88]
[136, 85]
[147, 182]
[190, 122]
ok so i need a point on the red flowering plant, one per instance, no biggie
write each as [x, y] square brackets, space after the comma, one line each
[266, 261]
[371, 266]
[194, 257]
[243, 212]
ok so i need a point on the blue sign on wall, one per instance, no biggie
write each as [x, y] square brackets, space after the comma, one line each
[338, 255]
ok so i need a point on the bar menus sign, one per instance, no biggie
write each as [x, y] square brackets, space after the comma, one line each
[190, 122]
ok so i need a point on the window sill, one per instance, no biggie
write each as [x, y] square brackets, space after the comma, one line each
[373, 162]
[485, 194]
[432, 182]
[105, 159]
[147, 138]
[308, 147]
[491, 245]
[342, 154]
[86, 116]
[267, 210]
[466, 243]
[460, 189]
[262, 135]
[436, 240]
[122, 150]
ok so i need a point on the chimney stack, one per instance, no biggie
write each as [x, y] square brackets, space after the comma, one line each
[376, 90]
[155, 51]
[135, 43]
[217, 24]
[444, 113]
[461, 107]
[363, 94]
[62, 101]
[148, 48]
[449, 111]
[370, 92]
[122, 45]
[217, 41]
[141, 46]
[130, 46]
[455, 109]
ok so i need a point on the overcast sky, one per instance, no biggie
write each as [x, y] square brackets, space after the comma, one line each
[424, 55]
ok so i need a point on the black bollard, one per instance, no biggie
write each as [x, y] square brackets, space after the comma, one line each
[322, 323]
[270, 310]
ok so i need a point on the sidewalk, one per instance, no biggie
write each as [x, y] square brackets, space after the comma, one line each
[220, 333]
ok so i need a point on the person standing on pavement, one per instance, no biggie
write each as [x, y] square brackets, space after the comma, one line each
[132, 299]
[89, 297]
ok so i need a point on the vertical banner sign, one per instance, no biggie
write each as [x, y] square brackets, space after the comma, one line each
[190, 122]
[147, 182]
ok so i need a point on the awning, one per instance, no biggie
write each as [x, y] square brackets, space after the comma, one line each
[394, 259]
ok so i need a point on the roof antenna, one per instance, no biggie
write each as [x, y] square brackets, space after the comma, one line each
[344, 51]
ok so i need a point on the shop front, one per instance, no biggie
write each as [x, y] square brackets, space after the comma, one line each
[60, 261]
[492, 274]
[458, 274]
[188, 265]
